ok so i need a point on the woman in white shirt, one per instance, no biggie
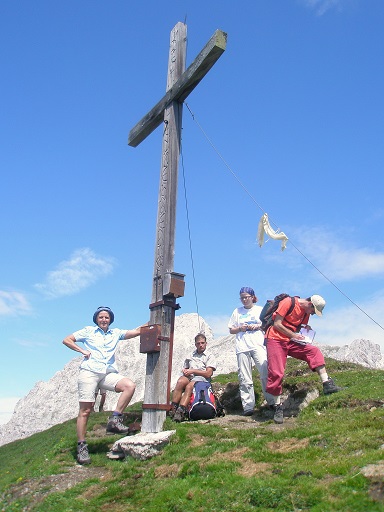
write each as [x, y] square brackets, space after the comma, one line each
[245, 323]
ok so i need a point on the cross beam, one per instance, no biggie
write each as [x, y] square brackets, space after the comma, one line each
[180, 83]
[181, 89]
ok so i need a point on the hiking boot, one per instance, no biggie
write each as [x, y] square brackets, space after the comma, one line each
[115, 425]
[172, 410]
[330, 387]
[179, 415]
[248, 413]
[278, 417]
[83, 454]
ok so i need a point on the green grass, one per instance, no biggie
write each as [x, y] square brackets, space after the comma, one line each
[311, 463]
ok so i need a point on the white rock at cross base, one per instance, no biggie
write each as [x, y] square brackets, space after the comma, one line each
[141, 446]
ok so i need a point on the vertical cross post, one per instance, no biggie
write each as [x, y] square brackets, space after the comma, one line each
[163, 311]
[180, 83]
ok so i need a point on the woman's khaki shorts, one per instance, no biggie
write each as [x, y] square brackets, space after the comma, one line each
[89, 382]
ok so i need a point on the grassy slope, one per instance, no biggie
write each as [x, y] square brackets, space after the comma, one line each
[312, 462]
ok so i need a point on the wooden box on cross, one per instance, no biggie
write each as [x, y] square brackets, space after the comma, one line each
[174, 284]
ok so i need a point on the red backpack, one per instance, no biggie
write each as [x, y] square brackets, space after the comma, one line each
[204, 405]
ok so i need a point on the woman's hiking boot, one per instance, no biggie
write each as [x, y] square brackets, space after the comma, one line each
[83, 454]
[115, 425]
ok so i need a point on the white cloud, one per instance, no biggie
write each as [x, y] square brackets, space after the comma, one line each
[348, 264]
[13, 303]
[339, 259]
[218, 324]
[342, 326]
[322, 6]
[7, 406]
[79, 272]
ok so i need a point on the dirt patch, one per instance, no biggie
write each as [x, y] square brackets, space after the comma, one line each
[167, 471]
[375, 473]
[287, 445]
[253, 468]
[247, 468]
[236, 421]
[374, 470]
[376, 491]
[39, 488]
[236, 455]
[197, 440]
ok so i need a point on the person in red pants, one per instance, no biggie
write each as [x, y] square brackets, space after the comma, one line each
[283, 339]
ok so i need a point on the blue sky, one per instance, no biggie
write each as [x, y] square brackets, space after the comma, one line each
[289, 121]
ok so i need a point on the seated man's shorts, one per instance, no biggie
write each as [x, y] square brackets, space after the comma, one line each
[89, 382]
[199, 378]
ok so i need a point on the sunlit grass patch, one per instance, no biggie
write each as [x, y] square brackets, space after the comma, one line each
[316, 461]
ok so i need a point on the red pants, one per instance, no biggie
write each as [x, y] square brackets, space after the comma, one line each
[278, 351]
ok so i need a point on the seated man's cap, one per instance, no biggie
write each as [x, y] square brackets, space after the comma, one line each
[104, 308]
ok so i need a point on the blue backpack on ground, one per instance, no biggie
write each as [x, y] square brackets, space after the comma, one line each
[204, 405]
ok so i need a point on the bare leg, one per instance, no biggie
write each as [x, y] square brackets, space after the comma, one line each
[181, 384]
[126, 387]
[187, 394]
[82, 419]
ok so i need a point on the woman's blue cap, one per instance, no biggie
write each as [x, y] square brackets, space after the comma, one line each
[246, 289]
[104, 308]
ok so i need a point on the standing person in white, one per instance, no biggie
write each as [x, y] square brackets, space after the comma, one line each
[250, 349]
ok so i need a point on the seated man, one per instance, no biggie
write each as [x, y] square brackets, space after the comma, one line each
[199, 367]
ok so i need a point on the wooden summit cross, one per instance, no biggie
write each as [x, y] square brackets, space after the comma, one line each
[157, 339]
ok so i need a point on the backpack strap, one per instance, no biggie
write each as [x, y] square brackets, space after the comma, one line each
[289, 312]
[291, 306]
